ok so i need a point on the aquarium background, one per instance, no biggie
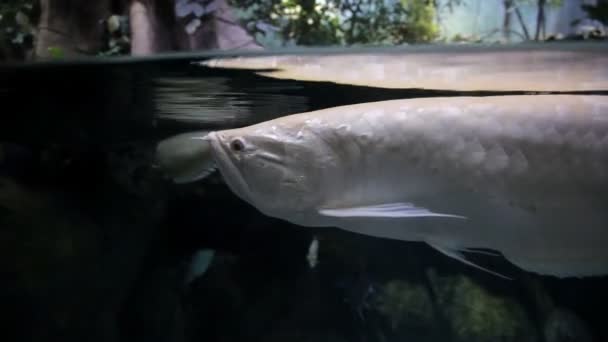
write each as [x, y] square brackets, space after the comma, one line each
[98, 245]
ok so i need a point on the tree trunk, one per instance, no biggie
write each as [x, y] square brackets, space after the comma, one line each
[506, 24]
[522, 23]
[540, 21]
[218, 29]
[72, 27]
[151, 26]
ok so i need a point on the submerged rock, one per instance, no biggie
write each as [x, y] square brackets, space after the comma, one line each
[565, 326]
[557, 323]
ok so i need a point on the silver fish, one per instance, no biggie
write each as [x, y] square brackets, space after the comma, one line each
[565, 67]
[526, 176]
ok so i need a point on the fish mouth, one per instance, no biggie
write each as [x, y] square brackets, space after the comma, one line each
[185, 158]
[231, 174]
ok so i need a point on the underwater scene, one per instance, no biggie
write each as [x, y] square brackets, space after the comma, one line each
[327, 170]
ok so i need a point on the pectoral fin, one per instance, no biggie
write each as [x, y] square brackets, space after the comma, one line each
[388, 210]
[457, 254]
[482, 251]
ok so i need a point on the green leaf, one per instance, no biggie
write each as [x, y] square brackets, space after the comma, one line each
[55, 52]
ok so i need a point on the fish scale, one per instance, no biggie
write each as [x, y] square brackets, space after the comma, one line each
[491, 156]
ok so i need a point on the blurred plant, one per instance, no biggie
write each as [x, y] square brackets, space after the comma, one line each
[476, 314]
[17, 27]
[406, 304]
[460, 38]
[597, 12]
[116, 37]
[420, 25]
[343, 22]
[594, 25]
[55, 52]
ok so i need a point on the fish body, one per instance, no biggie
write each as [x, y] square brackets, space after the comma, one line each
[526, 176]
[551, 67]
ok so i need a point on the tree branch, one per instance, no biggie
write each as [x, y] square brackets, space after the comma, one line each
[521, 22]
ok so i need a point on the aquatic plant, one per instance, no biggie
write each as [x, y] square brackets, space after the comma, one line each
[475, 314]
[405, 303]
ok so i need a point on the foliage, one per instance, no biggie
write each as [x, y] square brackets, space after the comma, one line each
[406, 304]
[17, 26]
[55, 52]
[342, 22]
[422, 26]
[116, 36]
[478, 315]
[597, 12]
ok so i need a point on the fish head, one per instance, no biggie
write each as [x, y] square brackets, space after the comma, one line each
[271, 166]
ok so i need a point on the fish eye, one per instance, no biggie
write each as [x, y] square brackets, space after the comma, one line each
[237, 145]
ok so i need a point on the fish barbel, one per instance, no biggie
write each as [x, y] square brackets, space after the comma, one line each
[526, 176]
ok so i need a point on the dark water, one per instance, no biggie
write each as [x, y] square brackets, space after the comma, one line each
[97, 245]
